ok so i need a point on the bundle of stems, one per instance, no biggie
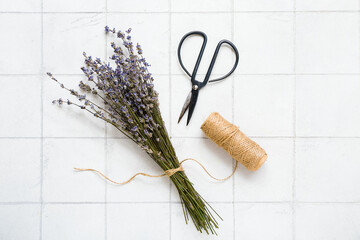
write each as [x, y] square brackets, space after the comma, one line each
[125, 98]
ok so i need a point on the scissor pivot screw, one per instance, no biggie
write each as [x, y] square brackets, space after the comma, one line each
[195, 87]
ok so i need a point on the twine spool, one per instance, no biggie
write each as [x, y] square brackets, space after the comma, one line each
[232, 140]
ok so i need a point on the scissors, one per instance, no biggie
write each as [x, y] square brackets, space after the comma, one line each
[191, 99]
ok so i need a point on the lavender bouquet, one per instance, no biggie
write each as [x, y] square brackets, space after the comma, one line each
[126, 99]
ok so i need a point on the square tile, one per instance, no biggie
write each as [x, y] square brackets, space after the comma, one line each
[264, 105]
[327, 5]
[20, 6]
[271, 221]
[61, 156]
[264, 5]
[274, 179]
[73, 221]
[67, 36]
[20, 100]
[20, 221]
[327, 221]
[124, 221]
[151, 31]
[326, 170]
[216, 26]
[212, 98]
[162, 87]
[265, 42]
[74, 6]
[138, 6]
[64, 120]
[124, 159]
[325, 106]
[20, 171]
[20, 50]
[181, 230]
[215, 160]
[201, 6]
[327, 43]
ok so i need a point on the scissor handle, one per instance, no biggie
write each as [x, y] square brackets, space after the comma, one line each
[192, 76]
[214, 59]
[206, 79]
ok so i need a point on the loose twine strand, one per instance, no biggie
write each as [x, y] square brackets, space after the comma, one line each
[168, 173]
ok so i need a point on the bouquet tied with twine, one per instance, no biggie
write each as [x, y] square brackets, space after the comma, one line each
[125, 98]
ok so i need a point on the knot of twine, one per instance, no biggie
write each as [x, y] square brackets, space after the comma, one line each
[236, 143]
[168, 172]
[171, 172]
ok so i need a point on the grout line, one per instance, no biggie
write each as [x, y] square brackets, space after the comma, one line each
[189, 137]
[42, 120]
[170, 115]
[106, 138]
[179, 74]
[178, 202]
[294, 125]
[180, 12]
[359, 29]
[233, 113]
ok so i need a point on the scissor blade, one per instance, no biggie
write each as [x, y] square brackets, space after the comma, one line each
[193, 100]
[185, 107]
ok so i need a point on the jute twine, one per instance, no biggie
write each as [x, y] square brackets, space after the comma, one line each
[168, 173]
[225, 135]
[235, 142]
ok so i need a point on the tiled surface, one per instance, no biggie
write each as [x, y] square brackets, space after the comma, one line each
[327, 5]
[265, 42]
[128, 217]
[272, 182]
[327, 42]
[20, 48]
[73, 6]
[124, 159]
[199, 6]
[67, 221]
[295, 92]
[271, 97]
[64, 42]
[60, 156]
[20, 176]
[327, 170]
[22, 113]
[20, 221]
[264, 5]
[327, 221]
[181, 231]
[263, 221]
[328, 106]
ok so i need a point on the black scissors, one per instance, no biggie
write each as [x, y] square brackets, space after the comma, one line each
[191, 99]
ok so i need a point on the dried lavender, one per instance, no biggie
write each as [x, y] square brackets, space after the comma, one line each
[125, 98]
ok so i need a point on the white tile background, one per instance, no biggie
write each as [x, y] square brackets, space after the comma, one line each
[296, 92]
